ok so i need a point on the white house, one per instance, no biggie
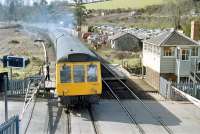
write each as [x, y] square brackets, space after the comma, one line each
[171, 55]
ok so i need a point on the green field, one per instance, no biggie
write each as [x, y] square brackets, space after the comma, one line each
[111, 55]
[114, 4]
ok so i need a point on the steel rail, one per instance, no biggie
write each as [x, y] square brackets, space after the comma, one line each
[29, 120]
[68, 123]
[163, 123]
[133, 120]
[68, 128]
[93, 120]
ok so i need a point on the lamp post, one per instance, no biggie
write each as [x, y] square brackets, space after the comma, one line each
[44, 49]
[57, 40]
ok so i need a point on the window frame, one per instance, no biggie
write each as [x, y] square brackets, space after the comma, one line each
[97, 79]
[198, 66]
[196, 48]
[172, 52]
[145, 47]
[71, 78]
[74, 73]
[185, 54]
[157, 50]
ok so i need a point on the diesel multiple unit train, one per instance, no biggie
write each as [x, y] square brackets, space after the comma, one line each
[78, 71]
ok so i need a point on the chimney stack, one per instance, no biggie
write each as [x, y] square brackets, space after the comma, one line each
[195, 30]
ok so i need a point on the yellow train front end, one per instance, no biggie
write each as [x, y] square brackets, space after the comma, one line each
[78, 80]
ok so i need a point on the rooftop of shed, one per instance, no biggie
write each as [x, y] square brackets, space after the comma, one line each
[121, 34]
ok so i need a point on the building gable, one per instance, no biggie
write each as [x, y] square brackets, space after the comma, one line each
[171, 38]
[122, 35]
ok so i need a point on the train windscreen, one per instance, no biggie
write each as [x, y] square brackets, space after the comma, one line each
[92, 73]
[65, 74]
[79, 73]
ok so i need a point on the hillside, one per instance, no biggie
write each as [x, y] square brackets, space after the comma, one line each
[114, 4]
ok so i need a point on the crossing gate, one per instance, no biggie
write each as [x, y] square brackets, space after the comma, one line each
[11, 126]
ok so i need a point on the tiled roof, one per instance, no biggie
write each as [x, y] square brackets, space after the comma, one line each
[172, 38]
[116, 36]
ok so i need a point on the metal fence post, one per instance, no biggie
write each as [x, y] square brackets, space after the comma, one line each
[5, 97]
[17, 125]
[11, 73]
[195, 90]
[23, 86]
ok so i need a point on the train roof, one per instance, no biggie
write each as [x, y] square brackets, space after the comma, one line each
[71, 49]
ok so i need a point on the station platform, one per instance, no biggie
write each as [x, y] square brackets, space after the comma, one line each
[47, 118]
[141, 84]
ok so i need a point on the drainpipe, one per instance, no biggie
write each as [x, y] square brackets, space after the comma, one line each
[195, 89]
[178, 64]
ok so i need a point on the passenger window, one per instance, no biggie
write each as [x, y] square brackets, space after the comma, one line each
[65, 74]
[79, 73]
[92, 73]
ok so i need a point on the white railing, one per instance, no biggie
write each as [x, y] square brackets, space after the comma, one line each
[192, 99]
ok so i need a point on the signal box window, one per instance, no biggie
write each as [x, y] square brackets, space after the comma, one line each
[79, 73]
[169, 51]
[185, 54]
[194, 51]
[92, 73]
[65, 74]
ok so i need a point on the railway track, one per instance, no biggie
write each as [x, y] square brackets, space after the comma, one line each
[68, 119]
[111, 90]
[30, 117]
[131, 117]
[134, 96]
[95, 127]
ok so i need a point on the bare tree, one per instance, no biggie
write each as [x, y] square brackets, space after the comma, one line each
[79, 12]
[177, 9]
[43, 2]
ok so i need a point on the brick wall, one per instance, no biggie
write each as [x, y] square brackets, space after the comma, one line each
[153, 78]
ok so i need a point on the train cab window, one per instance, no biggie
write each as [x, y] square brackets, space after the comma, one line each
[79, 73]
[65, 74]
[92, 73]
